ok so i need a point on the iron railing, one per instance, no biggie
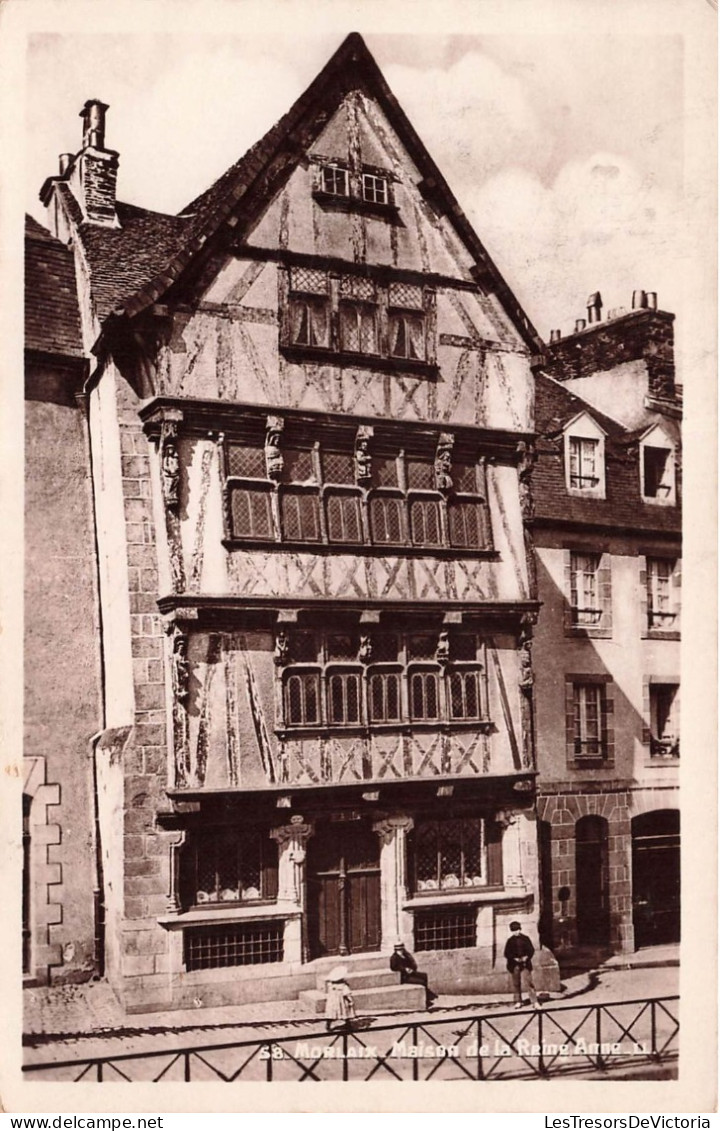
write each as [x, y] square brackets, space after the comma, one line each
[553, 1041]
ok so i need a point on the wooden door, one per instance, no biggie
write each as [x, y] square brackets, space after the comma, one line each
[343, 889]
[656, 877]
[591, 881]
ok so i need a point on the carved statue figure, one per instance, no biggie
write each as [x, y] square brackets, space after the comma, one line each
[282, 647]
[181, 666]
[365, 650]
[443, 462]
[442, 652]
[363, 458]
[170, 464]
[273, 453]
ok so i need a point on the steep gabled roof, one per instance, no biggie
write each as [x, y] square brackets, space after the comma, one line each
[52, 315]
[167, 246]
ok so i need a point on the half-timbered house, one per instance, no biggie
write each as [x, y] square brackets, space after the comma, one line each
[310, 409]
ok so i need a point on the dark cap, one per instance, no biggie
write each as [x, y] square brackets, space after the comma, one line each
[516, 926]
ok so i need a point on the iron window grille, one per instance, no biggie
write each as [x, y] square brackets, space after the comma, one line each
[584, 455]
[446, 929]
[227, 865]
[251, 944]
[324, 685]
[318, 500]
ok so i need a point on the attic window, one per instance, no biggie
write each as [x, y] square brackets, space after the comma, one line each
[334, 180]
[374, 189]
[585, 457]
[657, 468]
[656, 477]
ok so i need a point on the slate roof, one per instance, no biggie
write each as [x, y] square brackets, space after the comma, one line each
[133, 266]
[623, 506]
[52, 315]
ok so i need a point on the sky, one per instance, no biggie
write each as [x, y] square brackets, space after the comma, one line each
[567, 151]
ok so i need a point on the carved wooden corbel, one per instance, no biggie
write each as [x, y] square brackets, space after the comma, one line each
[526, 461]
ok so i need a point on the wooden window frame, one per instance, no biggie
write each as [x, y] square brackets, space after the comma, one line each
[442, 831]
[198, 840]
[403, 671]
[578, 688]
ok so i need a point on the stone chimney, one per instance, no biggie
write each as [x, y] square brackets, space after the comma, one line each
[91, 176]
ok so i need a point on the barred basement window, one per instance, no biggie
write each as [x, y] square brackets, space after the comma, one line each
[343, 692]
[302, 698]
[226, 864]
[446, 929]
[448, 854]
[251, 944]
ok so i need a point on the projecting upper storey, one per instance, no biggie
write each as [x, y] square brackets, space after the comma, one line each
[331, 268]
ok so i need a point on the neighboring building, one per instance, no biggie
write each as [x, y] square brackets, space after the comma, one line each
[310, 415]
[607, 532]
[61, 657]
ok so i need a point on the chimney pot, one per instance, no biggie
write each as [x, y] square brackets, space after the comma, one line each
[594, 307]
[93, 116]
[555, 335]
[638, 300]
[651, 300]
[580, 324]
[65, 162]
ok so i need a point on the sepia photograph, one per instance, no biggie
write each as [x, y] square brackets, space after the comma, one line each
[351, 484]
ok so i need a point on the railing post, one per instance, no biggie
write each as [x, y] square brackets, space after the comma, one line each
[598, 1037]
[541, 1060]
[653, 1031]
[268, 1064]
[186, 1072]
[345, 1052]
[415, 1070]
[480, 1071]
[100, 1071]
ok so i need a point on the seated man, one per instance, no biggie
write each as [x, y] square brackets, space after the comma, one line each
[403, 963]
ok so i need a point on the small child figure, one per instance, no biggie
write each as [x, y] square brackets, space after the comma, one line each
[339, 1005]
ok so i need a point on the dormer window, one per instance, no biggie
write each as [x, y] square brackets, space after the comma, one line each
[657, 467]
[585, 457]
[334, 180]
[583, 463]
[657, 477]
